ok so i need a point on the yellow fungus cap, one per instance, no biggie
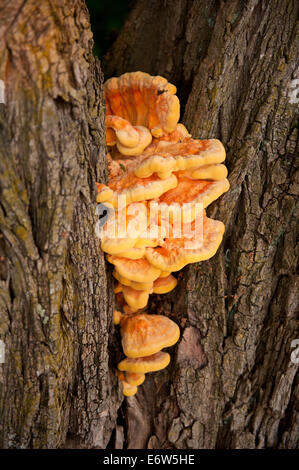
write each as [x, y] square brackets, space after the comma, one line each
[104, 193]
[206, 172]
[125, 133]
[129, 188]
[144, 139]
[117, 315]
[128, 389]
[174, 255]
[183, 201]
[136, 299]
[138, 270]
[168, 157]
[121, 231]
[134, 378]
[143, 100]
[147, 364]
[135, 285]
[133, 253]
[164, 274]
[162, 285]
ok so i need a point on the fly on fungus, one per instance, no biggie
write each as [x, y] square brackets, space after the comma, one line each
[153, 159]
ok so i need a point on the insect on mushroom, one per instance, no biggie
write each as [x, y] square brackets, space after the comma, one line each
[153, 161]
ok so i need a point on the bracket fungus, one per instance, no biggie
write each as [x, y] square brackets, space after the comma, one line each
[158, 177]
[144, 335]
[143, 365]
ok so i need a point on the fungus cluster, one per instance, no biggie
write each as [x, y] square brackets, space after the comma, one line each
[158, 177]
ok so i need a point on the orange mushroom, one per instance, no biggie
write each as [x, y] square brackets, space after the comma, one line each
[125, 133]
[143, 100]
[154, 161]
[188, 195]
[164, 284]
[133, 253]
[129, 140]
[138, 270]
[104, 193]
[121, 231]
[206, 172]
[136, 299]
[129, 389]
[174, 254]
[135, 285]
[143, 365]
[164, 158]
[129, 188]
[144, 335]
[134, 379]
[117, 315]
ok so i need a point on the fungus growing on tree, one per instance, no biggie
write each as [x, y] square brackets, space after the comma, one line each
[183, 200]
[129, 140]
[136, 299]
[173, 256]
[143, 100]
[135, 285]
[158, 177]
[166, 157]
[134, 379]
[129, 389]
[138, 270]
[144, 365]
[144, 335]
[127, 187]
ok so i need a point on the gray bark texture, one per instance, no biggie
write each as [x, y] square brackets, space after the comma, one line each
[232, 383]
[55, 300]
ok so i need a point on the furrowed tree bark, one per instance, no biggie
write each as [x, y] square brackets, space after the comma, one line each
[231, 382]
[55, 294]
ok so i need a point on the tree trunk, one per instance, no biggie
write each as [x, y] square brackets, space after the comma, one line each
[55, 296]
[232, 383]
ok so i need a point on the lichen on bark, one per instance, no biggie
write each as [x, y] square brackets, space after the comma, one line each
[234, 64]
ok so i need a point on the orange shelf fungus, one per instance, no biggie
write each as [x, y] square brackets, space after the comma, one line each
[166, 157]
[116, 317]
[182, 201]
[143, 365]
[135, 285]
[143, 100]
[129, 389]
[129, 188]
[174, 255]
[134, 379]
[144, 335]
[138, 270]
[104, 193]
[160, 181]
[206, 172]
[136, 299]
[164, 284]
